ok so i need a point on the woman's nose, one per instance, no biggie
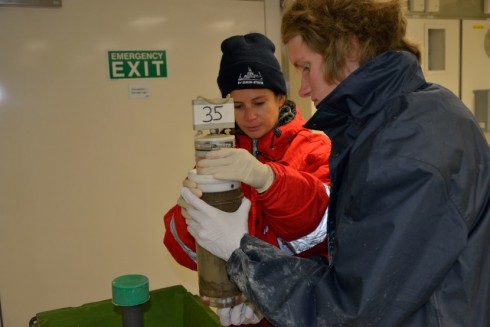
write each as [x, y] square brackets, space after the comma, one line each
[304, 89]
[250, 114]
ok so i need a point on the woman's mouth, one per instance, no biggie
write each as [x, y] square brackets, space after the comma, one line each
[253, 128]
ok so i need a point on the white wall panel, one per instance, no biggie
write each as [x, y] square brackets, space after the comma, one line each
[86, 173]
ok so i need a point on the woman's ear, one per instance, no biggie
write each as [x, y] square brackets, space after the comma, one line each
[353, 59]
[281, 99]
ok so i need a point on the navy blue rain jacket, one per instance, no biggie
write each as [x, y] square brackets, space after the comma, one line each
[409, 217]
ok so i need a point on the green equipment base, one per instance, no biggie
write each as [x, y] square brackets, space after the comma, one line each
[172, 306]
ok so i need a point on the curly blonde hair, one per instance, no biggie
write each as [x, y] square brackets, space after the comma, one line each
[328, 27]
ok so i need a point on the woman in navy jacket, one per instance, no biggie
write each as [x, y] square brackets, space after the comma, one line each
[409, 214]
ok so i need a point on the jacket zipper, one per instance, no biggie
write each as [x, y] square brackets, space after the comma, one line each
[255, 148]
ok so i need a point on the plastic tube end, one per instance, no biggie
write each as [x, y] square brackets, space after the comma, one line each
[130, 290]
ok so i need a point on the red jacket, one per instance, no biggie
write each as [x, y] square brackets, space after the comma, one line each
[294, 205]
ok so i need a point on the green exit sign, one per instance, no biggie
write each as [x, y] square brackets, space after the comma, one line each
[137, 64]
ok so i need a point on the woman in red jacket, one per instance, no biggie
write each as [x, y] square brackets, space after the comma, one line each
[283, 166]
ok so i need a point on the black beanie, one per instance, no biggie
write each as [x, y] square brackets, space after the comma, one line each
[248, 62]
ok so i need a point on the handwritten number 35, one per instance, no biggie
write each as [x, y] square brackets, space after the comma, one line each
[212, 113]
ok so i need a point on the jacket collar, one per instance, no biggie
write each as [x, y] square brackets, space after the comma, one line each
[289, 124]
[364, 93]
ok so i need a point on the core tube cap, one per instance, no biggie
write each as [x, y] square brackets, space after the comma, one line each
[130, 290]
[209, 184]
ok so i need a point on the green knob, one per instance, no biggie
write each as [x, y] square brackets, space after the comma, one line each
[130, 290]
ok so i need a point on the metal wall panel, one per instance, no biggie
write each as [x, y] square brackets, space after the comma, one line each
[475, 59]
[443, 53]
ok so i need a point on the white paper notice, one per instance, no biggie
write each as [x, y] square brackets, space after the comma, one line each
[139, 91]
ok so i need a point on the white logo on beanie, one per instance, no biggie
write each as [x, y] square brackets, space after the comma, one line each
[250, 78]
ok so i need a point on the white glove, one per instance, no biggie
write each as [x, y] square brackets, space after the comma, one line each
[217, 231]
[238, 315]
[237, 165]
[192, 186]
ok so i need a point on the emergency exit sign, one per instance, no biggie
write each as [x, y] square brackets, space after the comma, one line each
[137, 64]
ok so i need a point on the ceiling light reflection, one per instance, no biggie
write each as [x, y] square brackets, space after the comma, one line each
[222, 25]
[147, 22]
[3, 94]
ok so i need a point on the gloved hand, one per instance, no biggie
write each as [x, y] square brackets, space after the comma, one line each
[237, 165]
[238, 315]
[217, 231]
[192, 186]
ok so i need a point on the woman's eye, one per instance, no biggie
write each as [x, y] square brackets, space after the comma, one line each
[305, 68]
